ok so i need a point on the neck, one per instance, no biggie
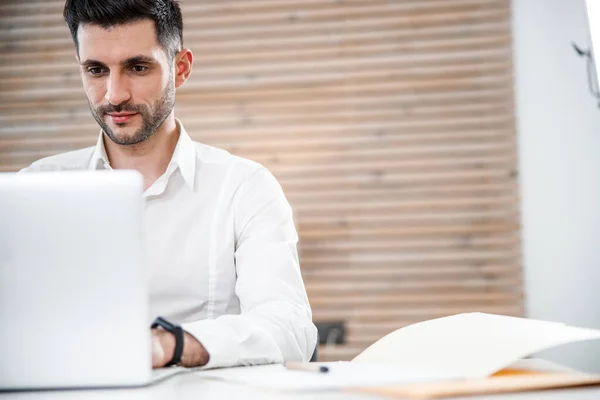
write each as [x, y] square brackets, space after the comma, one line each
[150, 157]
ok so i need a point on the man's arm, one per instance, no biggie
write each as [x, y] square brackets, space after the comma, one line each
[275, 323]
[163, 348]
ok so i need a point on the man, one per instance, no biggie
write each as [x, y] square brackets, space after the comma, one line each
[221, 241]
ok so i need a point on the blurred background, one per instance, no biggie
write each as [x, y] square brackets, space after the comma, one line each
[441, 156]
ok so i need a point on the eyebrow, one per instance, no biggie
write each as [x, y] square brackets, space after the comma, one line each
[140, 59]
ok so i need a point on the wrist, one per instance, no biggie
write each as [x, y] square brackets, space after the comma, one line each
[171, 340]
[167, 342]
[194, 353]
[176, 346]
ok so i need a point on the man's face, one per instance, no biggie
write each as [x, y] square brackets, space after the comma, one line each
[128, 79]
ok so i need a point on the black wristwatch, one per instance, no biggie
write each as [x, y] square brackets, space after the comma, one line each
[175, 330]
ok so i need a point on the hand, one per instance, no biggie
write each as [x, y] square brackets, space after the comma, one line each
[163, 347]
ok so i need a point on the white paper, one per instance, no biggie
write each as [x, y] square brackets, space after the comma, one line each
[341, 374]
[473, 345]
[540, 365]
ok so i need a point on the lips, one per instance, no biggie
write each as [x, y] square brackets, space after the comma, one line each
[120, 118]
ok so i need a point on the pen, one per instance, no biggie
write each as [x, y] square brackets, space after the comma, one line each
[305, 367]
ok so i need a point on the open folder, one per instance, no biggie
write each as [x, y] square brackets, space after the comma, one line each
[484, 350]
[458, 355]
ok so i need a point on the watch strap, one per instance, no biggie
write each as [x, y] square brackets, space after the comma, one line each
[178, 332]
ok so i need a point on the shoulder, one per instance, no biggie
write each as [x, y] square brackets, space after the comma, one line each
[238, 176]
[73, 160]
[223, 162]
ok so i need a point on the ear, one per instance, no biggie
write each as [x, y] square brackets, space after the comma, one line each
[183, 66]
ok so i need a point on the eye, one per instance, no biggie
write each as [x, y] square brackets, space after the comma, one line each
[139, 68]
[95, 71]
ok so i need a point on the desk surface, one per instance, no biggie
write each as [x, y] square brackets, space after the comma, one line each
[193, 386]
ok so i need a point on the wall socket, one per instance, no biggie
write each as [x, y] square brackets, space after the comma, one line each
[332, 332]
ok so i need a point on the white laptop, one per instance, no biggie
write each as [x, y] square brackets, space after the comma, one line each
[73, 293]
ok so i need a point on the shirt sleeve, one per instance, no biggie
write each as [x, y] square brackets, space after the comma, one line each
[275, 324]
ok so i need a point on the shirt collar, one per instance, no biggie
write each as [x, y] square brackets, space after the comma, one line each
[184, 156]
[99, 158]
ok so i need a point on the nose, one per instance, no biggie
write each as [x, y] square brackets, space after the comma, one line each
[117, 89]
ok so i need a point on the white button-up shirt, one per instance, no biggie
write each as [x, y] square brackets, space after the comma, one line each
[221, 251]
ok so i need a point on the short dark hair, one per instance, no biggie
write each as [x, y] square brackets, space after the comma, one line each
[165, 14]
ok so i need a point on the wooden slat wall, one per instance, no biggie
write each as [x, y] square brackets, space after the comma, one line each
[390, 125]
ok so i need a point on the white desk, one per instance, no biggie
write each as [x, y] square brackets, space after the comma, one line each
[193, 386]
